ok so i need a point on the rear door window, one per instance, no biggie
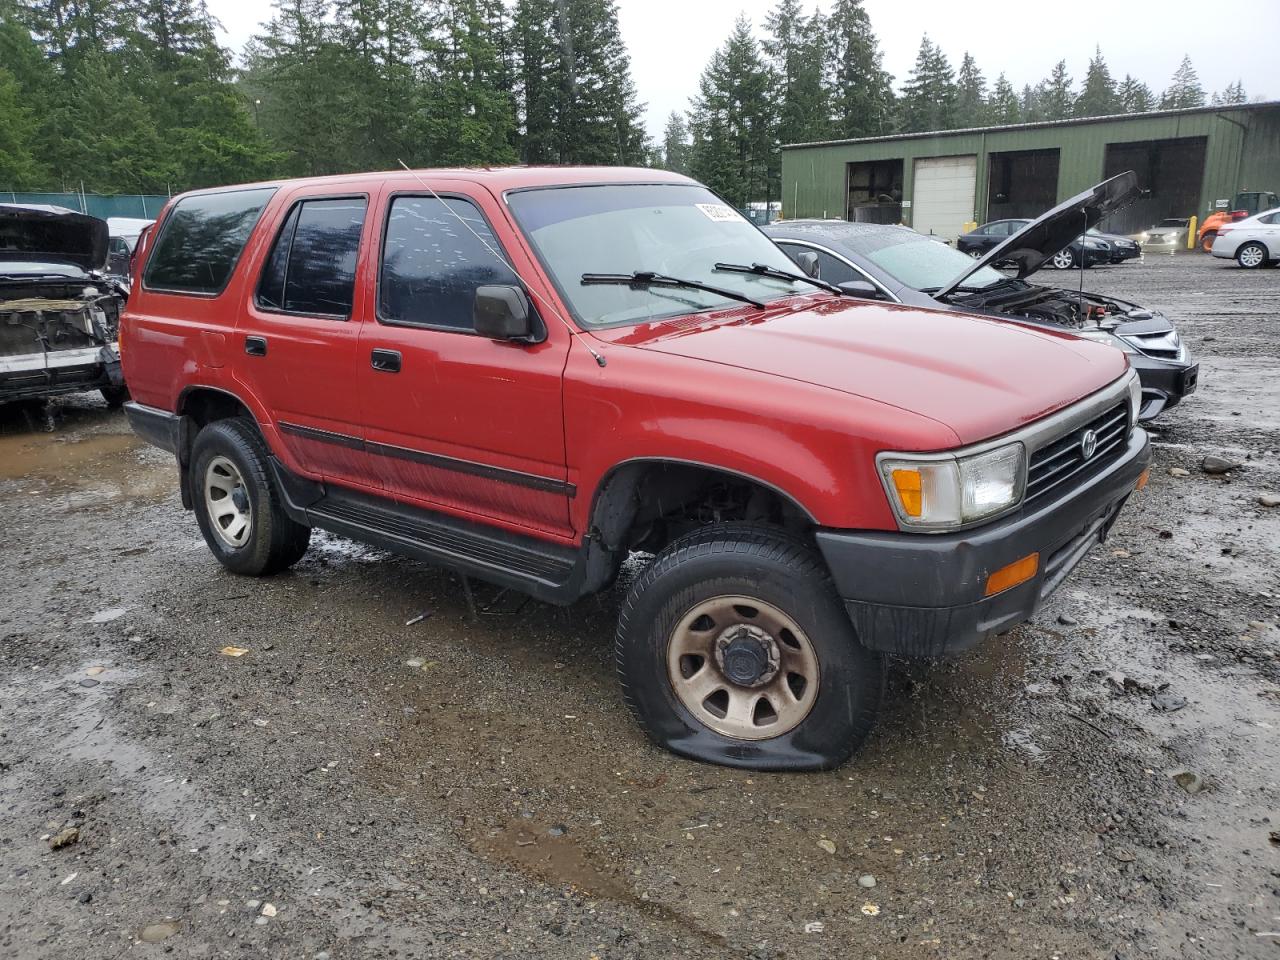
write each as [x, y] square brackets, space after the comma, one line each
[202, 239]
[435, 253]
[312, 267]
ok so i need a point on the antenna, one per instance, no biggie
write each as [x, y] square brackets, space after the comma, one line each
[573, 331]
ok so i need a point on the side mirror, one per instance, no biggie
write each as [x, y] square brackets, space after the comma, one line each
[807, 261]
[502, 313]
[862, 288]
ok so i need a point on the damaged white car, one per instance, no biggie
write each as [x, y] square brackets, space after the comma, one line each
[58, 312]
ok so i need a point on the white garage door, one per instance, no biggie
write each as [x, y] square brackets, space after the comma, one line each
[942, 197]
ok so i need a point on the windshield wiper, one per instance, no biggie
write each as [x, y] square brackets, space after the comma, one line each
[647, 278]
[763, 270]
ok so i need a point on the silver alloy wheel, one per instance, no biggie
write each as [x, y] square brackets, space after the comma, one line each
[227, 502]
[1063, 259]
[977, 254]
[1250, 256]
[743, 667]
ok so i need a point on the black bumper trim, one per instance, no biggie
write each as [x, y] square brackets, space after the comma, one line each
[884, 577]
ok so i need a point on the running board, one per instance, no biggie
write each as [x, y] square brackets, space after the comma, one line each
[547, 571]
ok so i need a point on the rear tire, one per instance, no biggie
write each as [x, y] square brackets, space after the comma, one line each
[735, 632]
[236, 502]
[1252, 255]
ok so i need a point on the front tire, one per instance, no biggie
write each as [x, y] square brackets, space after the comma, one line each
[1063, 260]
[237, 505]
[1252, 255]
[733, 648]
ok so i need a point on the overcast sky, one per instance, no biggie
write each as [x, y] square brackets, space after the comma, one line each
[671, 40]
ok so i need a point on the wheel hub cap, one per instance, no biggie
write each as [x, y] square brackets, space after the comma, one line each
[742, 667]
[227, 502]
[747, 656]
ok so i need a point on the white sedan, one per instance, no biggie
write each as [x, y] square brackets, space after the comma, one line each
[1253, 242]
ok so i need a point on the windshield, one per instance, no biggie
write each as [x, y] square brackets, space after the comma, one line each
[678, 229]
[39, 268]
[919, 262]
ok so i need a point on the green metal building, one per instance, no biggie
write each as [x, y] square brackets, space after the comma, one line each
[1189, 162]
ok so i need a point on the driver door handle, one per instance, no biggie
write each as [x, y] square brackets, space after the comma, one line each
[386, 361]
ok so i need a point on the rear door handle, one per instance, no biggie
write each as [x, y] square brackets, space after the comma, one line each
[255, 346]
[388, 361]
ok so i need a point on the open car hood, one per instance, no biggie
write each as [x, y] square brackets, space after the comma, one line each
[1039, 240]
[37, 233]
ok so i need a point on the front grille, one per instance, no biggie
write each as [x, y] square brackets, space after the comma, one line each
[1063, 459]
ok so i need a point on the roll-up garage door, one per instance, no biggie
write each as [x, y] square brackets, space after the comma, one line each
[943, 195]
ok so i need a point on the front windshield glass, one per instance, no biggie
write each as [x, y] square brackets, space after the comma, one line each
[681, 230]
[920, 263]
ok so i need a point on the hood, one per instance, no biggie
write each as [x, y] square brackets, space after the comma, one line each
[979, 376]
[1040, 239]
[45, 234]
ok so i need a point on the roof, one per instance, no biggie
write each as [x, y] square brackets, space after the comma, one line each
[832, 230]
[497, 179]
[1040, 124]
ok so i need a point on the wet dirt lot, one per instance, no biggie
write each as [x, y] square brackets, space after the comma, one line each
[358, 786]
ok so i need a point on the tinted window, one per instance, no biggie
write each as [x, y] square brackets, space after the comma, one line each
[436, 252]
[312, 268]
[201, 240]
[998, 229]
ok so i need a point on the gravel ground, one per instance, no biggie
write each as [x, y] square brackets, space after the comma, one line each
[357, 785]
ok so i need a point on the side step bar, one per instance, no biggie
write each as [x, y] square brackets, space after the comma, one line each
[547, 571]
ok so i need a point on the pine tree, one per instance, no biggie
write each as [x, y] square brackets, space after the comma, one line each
[467, 115]
[1002, 105]
[1233, 94]
[1135, 96]
[796, 48]
[1098, 97]
[971, 94]
[733, 123]
[579, 101]
[1185, 90]
[1029, 106]
[20, 167]
[1054, 94]
[862, 103]
[675, 144]
[928, 100]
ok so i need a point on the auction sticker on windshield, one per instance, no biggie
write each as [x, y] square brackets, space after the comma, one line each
[719, 212]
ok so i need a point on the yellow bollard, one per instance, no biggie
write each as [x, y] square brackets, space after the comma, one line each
[969, 227]
[1191, 232]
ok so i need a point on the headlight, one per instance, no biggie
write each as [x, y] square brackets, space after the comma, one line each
[1135, 397]
[944, 491]
[1107, 337]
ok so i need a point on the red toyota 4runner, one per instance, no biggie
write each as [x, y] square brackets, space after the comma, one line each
[528, 374]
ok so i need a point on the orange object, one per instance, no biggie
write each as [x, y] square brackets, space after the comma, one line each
[1010, 575]
[1142, 480]
[909, 487]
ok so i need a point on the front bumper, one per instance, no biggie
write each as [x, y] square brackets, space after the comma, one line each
[884, 577]
[1164, 382]
[1121, 254]
[47, 374]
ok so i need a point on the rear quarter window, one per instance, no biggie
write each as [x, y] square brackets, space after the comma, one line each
[202, 239]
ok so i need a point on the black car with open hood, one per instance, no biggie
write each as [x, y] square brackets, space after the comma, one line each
[58, 313]
[897, 264]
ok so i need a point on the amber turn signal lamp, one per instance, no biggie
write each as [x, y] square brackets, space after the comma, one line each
[909, 487]
[1142, 480]
[1020, 571]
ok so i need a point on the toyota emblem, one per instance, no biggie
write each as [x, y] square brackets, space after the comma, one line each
[1088, 444]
